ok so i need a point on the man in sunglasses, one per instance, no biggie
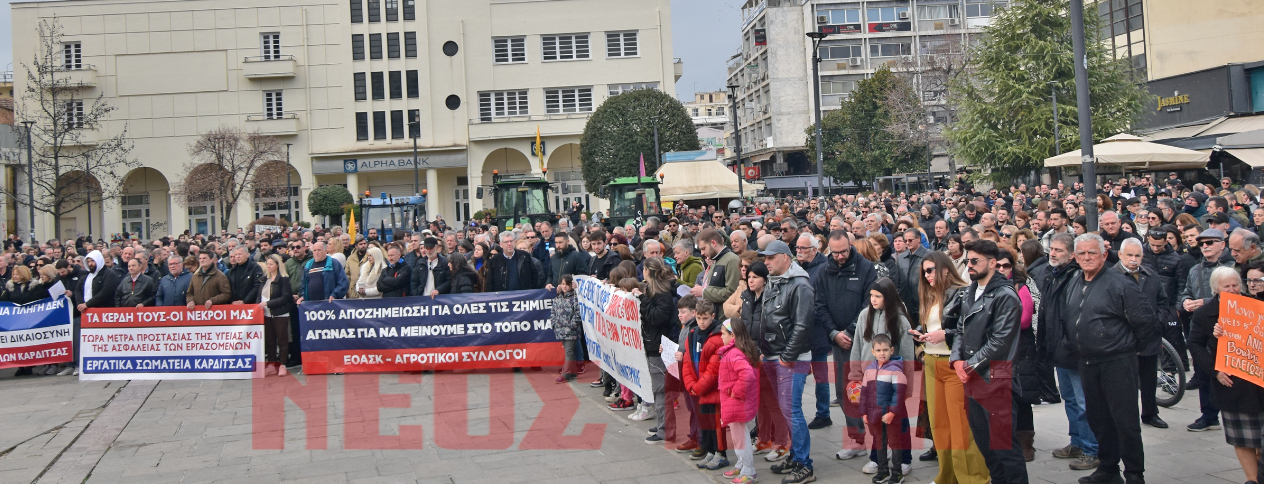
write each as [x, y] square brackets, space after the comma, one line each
[1211, 243]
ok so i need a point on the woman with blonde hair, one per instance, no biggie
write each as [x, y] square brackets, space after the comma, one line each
[19, 289]
[335, 250]
[370, 269]
[278, 303]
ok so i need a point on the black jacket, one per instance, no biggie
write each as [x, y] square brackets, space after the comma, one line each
[841, 293]
[1189, 259]
[393, 281]
[442, 275]
[1053, 340]
[72, 282]
[753, 318]
[464, 282]
[787, 312]
[103, 286]
[599, 266]
[1108, 317]
[908, 278]
[281, 296]
[1151, 286]
[1118, 240]
[245, 280]
[658, 319]
[498, 272]
[988, 328]
[564, 262]
[128, 295]
[21, 293]
[1166, 265]
[1243, 396]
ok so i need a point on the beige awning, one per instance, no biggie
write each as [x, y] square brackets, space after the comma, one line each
[1250, 156]
[700, 180]
[1128, 152]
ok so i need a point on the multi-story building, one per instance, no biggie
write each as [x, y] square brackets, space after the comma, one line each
[774, 67]
[1164, 38]
[709, 109]
[341, 82]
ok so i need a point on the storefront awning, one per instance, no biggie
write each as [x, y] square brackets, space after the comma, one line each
[1250, 156]
[1128, 152]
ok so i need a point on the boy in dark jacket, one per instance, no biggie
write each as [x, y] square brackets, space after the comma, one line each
[686, 311]
[882, 404]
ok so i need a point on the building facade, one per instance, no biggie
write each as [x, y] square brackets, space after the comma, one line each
[1165, 38]
[774, 67]
[709, 109]
[349, 85]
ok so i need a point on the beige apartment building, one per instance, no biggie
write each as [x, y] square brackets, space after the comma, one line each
[339, 81]
[1165, 38]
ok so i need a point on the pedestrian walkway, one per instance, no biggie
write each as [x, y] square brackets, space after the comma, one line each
[63, 430]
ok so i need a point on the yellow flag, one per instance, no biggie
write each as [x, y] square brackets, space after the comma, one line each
[539, 148]
[351, 225]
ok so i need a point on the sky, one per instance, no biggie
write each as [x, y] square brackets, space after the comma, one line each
[704, 34]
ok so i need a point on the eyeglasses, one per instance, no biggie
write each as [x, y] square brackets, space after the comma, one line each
[1005, 266]
[1209, 243]
[802, 249]
[1255, 281]
[975, 260]
[928, 271]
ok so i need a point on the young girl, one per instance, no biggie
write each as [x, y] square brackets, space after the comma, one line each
[739, 395]
[565, 321]
[701, 374]
[885, 315]
[627, 399]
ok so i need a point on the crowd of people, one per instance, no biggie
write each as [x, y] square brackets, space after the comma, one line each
[988, 301]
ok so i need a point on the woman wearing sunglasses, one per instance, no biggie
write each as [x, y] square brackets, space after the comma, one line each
[1026, 373]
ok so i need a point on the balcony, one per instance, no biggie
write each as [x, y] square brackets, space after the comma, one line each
[83, 77]
[286, 125]
[84, 137]
[272, 67]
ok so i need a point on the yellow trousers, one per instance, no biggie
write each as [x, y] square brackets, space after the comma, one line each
[960, 461]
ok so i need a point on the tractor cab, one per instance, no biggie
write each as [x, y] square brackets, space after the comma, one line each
[387, 214]
[520, 199]
[632, 199]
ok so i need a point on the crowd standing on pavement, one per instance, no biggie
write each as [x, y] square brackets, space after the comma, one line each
[984, 302]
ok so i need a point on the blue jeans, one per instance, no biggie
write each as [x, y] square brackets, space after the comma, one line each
[1073, 402]
[820, 372]
[790, 384]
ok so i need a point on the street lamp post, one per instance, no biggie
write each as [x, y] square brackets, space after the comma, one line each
[289, 186]
[1086, 118]
[816, 103]
[30, 186]
[737, 142]
[415, 127]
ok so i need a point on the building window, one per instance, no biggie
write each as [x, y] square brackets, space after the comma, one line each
[888, 14]
[838, 16]
[565, 47]
[357, 11]
[568, 100]
[501, 103]
[410, 43]
[375, 10]
[74, 114]
[890, 50]
[719, 111]
[621, 44]
[272, 105]
[831, 52]
[379, 85]
[617, 89]
[392, 45]
[361, 87]
[362, 126]
[375, 46]
[379, 124]
[409, 10]
[392, 10]
[271, 44]
[397, 85]
[413, 90]
[72, 55]
[938, 12]
[414, 123]
[357, 46]
[509, 50]
[693, 112]
[397, 124]
[837, 87]
[136, 214]
[989, 9]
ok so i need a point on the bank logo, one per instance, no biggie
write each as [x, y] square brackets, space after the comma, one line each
[350, 166]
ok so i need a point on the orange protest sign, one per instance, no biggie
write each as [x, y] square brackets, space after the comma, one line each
[1239, 351]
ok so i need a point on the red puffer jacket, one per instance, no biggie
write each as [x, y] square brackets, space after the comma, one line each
[739, 386]
[703, 382]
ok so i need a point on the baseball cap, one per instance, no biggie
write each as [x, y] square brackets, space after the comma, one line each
[430, 242]
[1218, 218]
[777, 247]
[1212, 234]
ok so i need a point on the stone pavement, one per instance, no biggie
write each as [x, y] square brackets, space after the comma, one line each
[58, 429]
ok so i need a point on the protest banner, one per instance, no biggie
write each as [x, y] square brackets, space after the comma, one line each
[612, 326]
[37, 333]
[1238, 352]
[458, 331]
[172, 343]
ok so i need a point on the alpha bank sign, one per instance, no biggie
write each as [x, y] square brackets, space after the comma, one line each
[388, 163]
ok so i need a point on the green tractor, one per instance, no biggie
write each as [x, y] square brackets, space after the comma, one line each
[632, 199]
[520, 199]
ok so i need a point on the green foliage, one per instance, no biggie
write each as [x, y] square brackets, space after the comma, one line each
[348, 209]
[622, 129]
[859, 140]
[329, 200]
[1004, 113]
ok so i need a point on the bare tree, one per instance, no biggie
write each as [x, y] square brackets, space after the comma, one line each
[921, 117]
[229, 163]
[74, 165]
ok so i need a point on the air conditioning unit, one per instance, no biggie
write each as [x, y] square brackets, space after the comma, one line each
[854, 62]
[822, 19]
[904, 15]
[954, 21]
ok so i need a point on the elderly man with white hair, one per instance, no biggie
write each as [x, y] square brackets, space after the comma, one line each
[1131, 253]
[737, 241]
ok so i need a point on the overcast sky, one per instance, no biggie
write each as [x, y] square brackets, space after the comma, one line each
[704, 33]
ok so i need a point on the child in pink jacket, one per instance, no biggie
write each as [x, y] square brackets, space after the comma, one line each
[739, 395]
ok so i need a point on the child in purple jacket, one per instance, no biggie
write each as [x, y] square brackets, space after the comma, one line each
[882, 395]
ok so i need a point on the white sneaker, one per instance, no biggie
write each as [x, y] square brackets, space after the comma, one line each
[870, 468]
[641, 413]
[76, 373]
[66, 371]
[904, 468]
[776, 454]
[846, 454]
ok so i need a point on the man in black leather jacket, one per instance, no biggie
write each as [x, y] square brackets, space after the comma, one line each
[983, 355]
[1106, 316]
[1130, 255]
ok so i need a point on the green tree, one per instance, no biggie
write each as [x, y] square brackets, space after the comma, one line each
[859, 138]
[329, 201]
[622, 129]
[1004, 114]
